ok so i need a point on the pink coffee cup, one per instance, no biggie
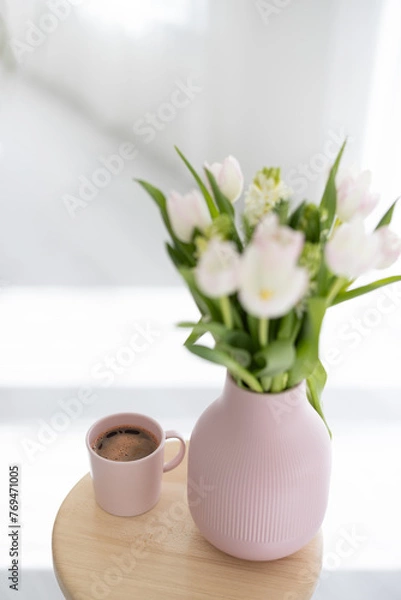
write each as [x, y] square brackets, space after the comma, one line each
[127, 489]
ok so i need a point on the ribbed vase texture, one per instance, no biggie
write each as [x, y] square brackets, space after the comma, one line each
[259, 472]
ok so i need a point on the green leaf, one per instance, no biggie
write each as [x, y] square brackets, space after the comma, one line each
[278, 357]
[235, 338]
[236, 312]
[328, 207]
[309, 223]
[281, 210]
[324, 279]
[315, 385]
[193, 337]
[206, 305]
[223, 203]
[239, 339]
[206, 194]
[185, 250]
[221, 226]
[328, 204]
[218, 331]
[154, 193]
[338, 285]
[177, 258]
[240, 355]
[161, 202]
[365, 289]
[296, 215]
[319, 377]
[225, 206]
[253, 328]
[286, 326]
[221, 358]
[188, 324]
[386, 218]
[248, 229]
[308, 344]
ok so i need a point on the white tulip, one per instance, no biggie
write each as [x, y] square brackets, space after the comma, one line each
[228, 177]
[279, 239]
[354, 198]
[217, 273]
[187, 212]
[389, 247]
[269, 285]
[351, 252]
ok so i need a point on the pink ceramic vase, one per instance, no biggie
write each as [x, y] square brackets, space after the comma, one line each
[259, 472]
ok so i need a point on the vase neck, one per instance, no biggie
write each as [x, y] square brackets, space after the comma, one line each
[243, 401]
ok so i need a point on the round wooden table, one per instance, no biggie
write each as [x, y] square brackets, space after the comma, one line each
[162, 556]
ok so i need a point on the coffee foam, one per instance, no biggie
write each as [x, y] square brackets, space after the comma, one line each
[125, 443]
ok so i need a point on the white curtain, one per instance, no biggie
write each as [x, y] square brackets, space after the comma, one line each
[117, 60]
[275, 90]
[383, 140]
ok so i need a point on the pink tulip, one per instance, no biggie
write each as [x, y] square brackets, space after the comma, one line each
[270, 285]
[354, 198]
[228, 177]
[351, 252]
[217, 272]
[389, 247]
[187, 213]
[279, 239]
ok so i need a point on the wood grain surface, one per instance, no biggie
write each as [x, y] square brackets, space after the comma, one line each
[162, 556]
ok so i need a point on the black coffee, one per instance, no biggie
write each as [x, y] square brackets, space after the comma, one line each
[125, 443]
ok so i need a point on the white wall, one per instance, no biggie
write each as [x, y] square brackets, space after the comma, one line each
[275, 84]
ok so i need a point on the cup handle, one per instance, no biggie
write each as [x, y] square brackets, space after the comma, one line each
[174, 462]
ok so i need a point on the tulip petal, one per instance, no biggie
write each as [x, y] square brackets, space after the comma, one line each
[351, 252]
[217, 273]
[389, 247]
[269, 285]
[354, 198]
[186, 213]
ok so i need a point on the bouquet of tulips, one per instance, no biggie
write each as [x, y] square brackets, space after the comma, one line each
[264, 284]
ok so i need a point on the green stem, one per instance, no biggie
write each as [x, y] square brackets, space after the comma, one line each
[286, 326]
[226, 311]
[365, 289]
[335, 289]
[251, 381]
[263, 332]
[279, 382]
[296, 329]
[266, 383]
